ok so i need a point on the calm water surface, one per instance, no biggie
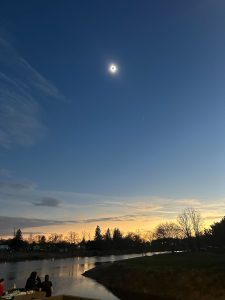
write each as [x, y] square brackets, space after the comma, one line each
[65, 274]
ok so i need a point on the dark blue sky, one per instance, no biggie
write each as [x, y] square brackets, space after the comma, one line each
[157, 128]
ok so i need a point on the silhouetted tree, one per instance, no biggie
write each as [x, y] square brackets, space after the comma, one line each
[149, 236]
[19, 235]
[207, 237]
[168, 230]
[55, 238]
[82, 244]
[117, 235]
[190, 222]
[168, 235]
[196, 221]
[218, 232]
[185, 223]
[118, 242]
[42, 239]
[107, 242]
[98, 240]
[108, 235]
[39, 239]
[98, 235]
[17, 242]
[72, 237]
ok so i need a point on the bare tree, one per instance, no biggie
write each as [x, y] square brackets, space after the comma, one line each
[83, 234]
[72, 237]
[190, 221]
[55, 238]
[149, 236]
[185, 223]
[196, 221]
[39, 239]
[168, 230]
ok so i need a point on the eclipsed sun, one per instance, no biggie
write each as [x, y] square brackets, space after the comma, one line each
[113, 69]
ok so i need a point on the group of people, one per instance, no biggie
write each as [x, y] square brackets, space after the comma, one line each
[34, 283]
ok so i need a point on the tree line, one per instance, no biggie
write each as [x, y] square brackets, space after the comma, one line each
[187, 233]
[110, 239]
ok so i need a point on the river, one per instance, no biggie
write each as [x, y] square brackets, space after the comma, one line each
[65, 274]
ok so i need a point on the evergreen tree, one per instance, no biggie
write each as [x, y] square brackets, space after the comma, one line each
[98, 235]
[117, 235]
[108, 235]
[17, 242]
[18, 235]
[42, 240]
[218, 232]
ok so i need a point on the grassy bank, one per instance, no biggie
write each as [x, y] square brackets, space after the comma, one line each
[183, 276]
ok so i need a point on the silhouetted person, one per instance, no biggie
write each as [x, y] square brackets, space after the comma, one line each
[33, 282]
[2, 288]
[46, 286]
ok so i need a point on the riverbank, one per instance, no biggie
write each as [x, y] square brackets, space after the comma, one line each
[186, 276]
[38, 255]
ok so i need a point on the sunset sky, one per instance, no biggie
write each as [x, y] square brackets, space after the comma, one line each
[80, 146]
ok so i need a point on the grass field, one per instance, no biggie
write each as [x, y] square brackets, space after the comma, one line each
[183, 276]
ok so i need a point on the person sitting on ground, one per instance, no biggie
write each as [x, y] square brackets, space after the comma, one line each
[33, 282]
[2, 288]
[46, 286]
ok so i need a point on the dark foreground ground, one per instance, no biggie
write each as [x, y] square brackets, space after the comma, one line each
[183, 276]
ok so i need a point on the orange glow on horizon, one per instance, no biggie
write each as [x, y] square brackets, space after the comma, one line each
[87, 230]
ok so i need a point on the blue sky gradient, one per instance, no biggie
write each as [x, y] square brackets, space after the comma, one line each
[74, 138]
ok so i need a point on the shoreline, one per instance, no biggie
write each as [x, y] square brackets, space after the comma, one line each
[21, 256]
[186, 276]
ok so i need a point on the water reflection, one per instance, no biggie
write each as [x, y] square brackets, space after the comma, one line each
[66, 275]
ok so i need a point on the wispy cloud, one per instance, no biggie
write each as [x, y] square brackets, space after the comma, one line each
[48, 201]
[213, 217]
[78, 210]
[15, 186]
[122, 218]
[189, 202]
[21, 88]
[8, 223]
[134, 204]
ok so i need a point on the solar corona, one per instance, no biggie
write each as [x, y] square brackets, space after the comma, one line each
[113, 68]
